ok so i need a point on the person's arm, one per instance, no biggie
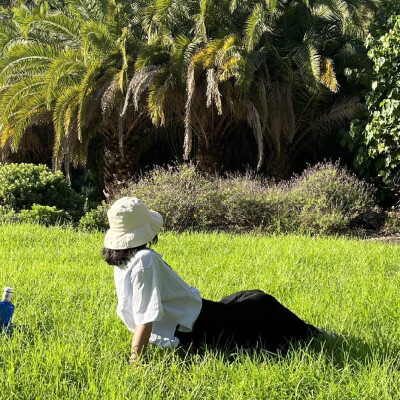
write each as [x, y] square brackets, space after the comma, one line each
[140, 341]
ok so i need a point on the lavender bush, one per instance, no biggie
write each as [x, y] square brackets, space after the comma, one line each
[320, 200]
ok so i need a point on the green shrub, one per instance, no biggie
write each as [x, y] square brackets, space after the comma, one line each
[7, 214]
[45, 215]
[375, 134]
[95, 219]
[22, 185]
[321, 200]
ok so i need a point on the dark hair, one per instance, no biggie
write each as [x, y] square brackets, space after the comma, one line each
[121, 257]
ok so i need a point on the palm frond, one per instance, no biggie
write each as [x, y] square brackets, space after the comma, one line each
[253, 119]
[9, 31]
[190, 90]
[108, 98]
[213, 93]
[231, 68]
[247, 69]
[328, 76]
[255, 27]
[70, 116]
[15, 42]
[336, 117]
[20, 57]
[58, 25]
[86, 86]
[68, 100]
[85, 10]
[308, 61]
[272, 6]
[233, 6]
[162, 7]
[340, 8]
[152, 54]
[162, 84]
[179, 57]
[122, 47]
[207, 55]
[29, 113]
[69, 96]
[67, 67]
[315, 61]
[15, 95]
[139, 83]
[200, 29]
[96, 36]
[323, 11]
[231, 47]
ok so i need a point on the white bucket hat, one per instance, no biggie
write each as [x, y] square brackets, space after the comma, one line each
[132, 224]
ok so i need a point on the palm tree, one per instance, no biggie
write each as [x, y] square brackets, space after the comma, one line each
[165, 77]
[158, 85]
[276, 65]
[279, 71]
[70, 67]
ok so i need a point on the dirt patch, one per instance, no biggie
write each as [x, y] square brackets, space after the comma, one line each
[385, 238]
[376, 236]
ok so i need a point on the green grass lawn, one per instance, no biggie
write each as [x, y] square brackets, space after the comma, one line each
[70, 344]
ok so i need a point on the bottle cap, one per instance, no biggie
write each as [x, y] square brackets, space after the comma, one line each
[8, 291]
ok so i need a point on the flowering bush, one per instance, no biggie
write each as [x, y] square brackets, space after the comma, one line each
[321, 200]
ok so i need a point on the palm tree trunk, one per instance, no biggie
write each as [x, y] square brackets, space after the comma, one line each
[209, 156]
[119, 168]
[279, 164]
[212, 135]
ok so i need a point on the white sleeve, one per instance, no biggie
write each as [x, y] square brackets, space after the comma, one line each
[146, 304]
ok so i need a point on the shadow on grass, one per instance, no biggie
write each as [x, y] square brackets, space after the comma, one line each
[348, 349]
[340, 351]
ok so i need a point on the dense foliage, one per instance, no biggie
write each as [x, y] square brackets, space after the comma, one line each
[29, 187]
[321, 200]
[116, 73]
[377, 142]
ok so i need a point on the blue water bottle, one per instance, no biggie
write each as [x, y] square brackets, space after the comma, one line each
[6, 310]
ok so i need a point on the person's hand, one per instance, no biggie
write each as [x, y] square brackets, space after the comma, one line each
[138, 360]
[140, 340]
[135, 356]
[133, 359]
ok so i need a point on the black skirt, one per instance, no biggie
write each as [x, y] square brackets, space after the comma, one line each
[249, 319]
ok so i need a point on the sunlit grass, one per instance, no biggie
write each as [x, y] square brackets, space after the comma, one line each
[69, 343]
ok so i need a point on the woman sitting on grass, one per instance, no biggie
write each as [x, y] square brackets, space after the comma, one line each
[161, 309]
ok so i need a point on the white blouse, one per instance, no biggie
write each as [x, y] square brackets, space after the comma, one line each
[148, 290]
